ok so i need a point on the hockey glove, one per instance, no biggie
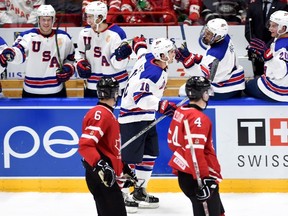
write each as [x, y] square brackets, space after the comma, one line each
[63, 74]
[123, 51]
[130, 176]
[106, 173]
[8, 54]
[84, 68]
[207, 189]
[259, 47]
[139, 42]
[188, 59]
[167, 108]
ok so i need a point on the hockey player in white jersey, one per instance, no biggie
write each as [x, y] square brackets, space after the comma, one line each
[273, 84]
[140, 100]
[46, 68]
[19, 11]
[220, 61]
[3, 63]
[103, 50]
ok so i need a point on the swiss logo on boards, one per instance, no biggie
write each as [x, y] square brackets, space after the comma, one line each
[279, 131]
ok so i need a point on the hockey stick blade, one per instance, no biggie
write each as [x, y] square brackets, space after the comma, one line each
[150, 126]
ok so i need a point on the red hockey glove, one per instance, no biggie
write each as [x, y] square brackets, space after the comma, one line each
[207, 189]
[106, 173]
[84, 68]
[260, 48]
[139, 42]
[188, 59]
[63, 74]
[167, 108]
[123, 51]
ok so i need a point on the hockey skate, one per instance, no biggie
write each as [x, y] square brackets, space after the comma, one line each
[130, 205]
[145, 200]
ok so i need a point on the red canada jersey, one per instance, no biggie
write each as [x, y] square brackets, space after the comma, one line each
[101, 136]
[190, 125]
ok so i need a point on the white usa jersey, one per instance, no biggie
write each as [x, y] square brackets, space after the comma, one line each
[19, 11]
[229, 75]
[143, 92]
[274, 83]
[40, 54]
[100, 49]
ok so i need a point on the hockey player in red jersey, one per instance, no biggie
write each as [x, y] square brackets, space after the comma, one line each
[99, 145]
[46, 68]
[190, 126]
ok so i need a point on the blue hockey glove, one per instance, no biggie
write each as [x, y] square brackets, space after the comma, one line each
[123, 51]
[167, 108]
[84, 68]
[207, 189]
[139, 42]
[259, 48]
[130, 175]
[186, 57]
[7, 55]
[106, 173]
[63, 74]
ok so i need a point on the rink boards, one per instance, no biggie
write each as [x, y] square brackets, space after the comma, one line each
[39, 141]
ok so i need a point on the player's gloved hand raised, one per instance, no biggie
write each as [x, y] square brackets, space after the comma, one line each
[130, 175]
[106, 173]
[63, 74]
[260, 48]
[167, 108]
[123, 51]
[139, 42]
[186, 57]
[7, 55]
[84, 68]
[207, 189]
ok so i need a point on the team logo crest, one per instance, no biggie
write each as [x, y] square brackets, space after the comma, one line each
[60, 42]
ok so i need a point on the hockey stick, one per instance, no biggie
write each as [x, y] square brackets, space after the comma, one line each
[150, 126]
[57, 45]
[195, 162]
[250, 35]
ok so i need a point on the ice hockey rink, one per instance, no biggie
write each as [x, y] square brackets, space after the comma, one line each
[75, 204]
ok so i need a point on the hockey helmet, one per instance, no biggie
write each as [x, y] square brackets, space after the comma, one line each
[107, 87]
[196, 86]
[97, 8]
[281, 18]
[218, 27]
[161, 46]
[46, 10]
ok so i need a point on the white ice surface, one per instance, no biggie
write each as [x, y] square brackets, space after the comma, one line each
[82, 204]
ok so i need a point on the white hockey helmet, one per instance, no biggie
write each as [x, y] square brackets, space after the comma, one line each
[218, 27]
[46, 10]
[97, 8]
[281, 18]
[161, 46]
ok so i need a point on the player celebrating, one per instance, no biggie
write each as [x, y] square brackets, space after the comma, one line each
[273, 84]
[3, 63]
[103, 50]
[190, 126]
[19, 11]
[50, 63]
[140, 100]
[99, 146]
[220, 60]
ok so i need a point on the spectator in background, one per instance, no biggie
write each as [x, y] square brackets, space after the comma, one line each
[188, 11]
[48, 64]
[19, 11]
[113, 6]
[103, 50]
[147, 6]
[3, 63]
[255, 26]
[220, 63]
[273, 84]
[230, 10]
[66, 6]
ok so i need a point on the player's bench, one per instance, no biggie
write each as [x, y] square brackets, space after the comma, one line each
[13, 88]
